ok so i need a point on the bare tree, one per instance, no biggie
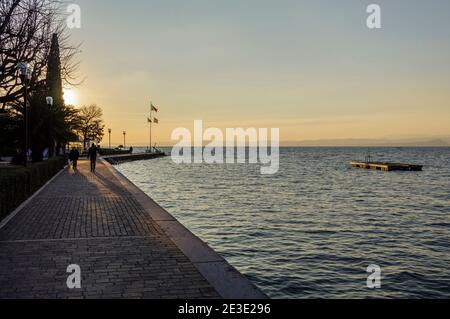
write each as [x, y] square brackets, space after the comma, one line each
[26, 29]
[91, 125]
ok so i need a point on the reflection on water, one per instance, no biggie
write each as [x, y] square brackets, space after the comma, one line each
[311, 230]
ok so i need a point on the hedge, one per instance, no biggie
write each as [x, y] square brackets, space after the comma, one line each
[19, 183]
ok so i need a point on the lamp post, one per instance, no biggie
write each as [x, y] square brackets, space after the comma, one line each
[51, 149]
[124, 141]
[25, 77]
[109, 132]
[49, 100]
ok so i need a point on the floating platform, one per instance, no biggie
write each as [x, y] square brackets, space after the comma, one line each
[387, 167]
[116, 159]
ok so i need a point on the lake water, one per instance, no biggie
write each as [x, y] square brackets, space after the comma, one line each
[312, 230]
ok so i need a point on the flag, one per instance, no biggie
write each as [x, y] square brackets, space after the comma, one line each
[149, 120]
[154, 108]
[155, 120]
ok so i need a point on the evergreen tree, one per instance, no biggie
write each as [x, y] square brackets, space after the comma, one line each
[54, 86]
[54, 81]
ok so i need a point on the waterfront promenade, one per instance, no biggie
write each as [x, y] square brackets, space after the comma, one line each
[125, 244]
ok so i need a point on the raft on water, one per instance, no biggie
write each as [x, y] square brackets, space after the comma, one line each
[387, 167]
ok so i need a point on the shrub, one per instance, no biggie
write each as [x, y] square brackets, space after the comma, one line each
[19, 183]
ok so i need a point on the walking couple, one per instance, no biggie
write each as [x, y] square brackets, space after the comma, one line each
[74, 155]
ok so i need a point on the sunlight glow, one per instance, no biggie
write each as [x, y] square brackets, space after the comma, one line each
[70, 96]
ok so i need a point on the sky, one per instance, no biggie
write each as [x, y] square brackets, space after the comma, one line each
[310, 68]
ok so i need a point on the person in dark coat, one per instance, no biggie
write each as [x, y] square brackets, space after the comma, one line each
[74, 155]
[92, 154]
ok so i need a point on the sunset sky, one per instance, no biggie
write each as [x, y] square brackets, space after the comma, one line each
[311, 68]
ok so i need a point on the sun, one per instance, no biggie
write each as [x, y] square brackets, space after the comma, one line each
[70, 96]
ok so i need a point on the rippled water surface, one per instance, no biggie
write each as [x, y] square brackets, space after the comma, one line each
[311, 230]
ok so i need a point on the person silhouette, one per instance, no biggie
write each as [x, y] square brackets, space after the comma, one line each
[92, 154]
[73, 156]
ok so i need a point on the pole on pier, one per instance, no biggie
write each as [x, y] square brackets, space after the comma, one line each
[150, 120]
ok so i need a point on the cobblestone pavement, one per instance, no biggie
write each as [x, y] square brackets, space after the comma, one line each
[92, 221]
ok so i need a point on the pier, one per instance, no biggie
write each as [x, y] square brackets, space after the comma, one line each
[387, 167]
[125, 244]
[117, 159]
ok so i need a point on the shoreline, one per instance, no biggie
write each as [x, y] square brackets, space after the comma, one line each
[222, 276]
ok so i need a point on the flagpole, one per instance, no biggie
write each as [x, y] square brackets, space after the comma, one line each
[151, 121]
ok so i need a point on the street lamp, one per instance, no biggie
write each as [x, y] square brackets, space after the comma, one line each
[124, 141]
[109, 132]
[25, 77]
[51, 150]
[49, 100]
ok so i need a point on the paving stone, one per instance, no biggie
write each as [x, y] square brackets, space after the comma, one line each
[91, 220]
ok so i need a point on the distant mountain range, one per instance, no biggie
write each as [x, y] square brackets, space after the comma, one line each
[440, 141]
[418, 142]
